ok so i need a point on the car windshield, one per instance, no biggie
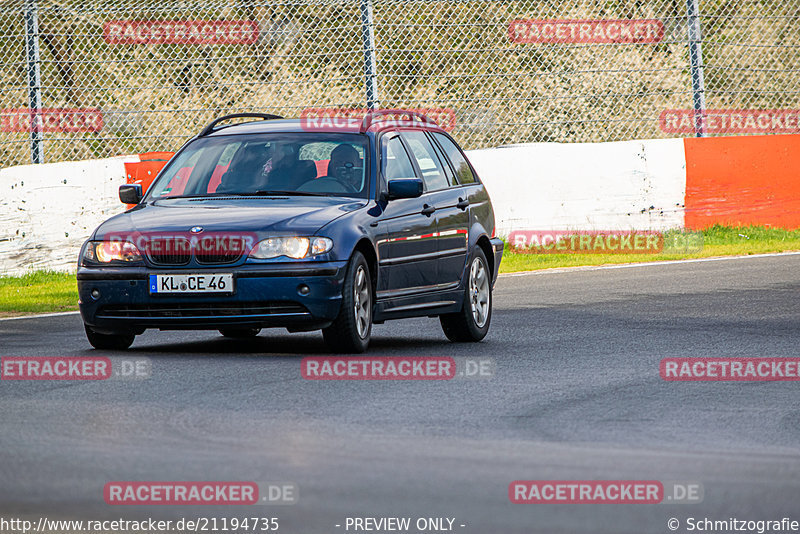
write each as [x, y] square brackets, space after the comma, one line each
[324, 164]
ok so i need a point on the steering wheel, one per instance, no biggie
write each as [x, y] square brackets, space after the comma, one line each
[326, 184]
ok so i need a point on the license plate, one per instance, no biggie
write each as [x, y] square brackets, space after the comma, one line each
[191, 283]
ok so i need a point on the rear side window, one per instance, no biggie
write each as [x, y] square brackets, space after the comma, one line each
[432, 172]
[460, 165]
[396, 163]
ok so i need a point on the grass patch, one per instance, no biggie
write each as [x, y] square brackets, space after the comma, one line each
[48, 291]
[38, 292]
[717, 241]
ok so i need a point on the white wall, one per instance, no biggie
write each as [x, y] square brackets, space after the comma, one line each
[48, 211]
[585, 186]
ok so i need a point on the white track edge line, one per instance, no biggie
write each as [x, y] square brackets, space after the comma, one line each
[645, 264]
[38, 315]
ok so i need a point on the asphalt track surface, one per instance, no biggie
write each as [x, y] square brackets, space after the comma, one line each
[576, 396]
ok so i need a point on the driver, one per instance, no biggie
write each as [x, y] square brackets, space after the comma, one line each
[345, 167]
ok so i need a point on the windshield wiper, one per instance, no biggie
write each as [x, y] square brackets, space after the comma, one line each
[170, 197]
[261, 192]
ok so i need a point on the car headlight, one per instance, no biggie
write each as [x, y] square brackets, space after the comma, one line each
[106, 252]
[293, 247]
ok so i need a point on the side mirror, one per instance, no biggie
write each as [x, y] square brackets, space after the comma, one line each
[405, 188]
[130, 193]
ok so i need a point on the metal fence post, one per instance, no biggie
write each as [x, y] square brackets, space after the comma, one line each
[34, 79]
[696, 61]
[368, 38]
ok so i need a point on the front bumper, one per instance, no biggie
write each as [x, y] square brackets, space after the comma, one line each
[265, 296]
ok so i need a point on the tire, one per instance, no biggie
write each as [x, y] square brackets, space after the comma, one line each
[108, 341]
[471, 323]
[239, 333]
[351, 330]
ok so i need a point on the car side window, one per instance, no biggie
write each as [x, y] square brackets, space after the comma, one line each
[462, 168]
[448, 171]
[177, 184]
[395, 160]
[427, 160]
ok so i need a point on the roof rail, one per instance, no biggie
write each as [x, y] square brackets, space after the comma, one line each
[368, 121]
[264, 116]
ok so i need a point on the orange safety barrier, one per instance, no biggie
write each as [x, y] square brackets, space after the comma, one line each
[741, 181]
[145, 170]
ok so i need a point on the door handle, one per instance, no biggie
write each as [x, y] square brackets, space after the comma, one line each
[428, 210]
[462, 203]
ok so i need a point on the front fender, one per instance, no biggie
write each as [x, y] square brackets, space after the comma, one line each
[347, 231]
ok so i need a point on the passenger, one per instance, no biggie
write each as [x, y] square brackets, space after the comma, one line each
[245, 173]
[286, 171]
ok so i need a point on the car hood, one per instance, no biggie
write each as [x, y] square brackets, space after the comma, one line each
[268, 215]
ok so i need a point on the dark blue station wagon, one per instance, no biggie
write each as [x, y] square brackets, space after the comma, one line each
[278, 223]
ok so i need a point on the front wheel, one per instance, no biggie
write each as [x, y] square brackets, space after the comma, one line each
[108, 341]
[350, 331]
[471, 323]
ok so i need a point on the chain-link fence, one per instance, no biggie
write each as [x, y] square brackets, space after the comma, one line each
[91, 79]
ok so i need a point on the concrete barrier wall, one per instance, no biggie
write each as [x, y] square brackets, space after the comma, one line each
[623, 185]
[48, 211]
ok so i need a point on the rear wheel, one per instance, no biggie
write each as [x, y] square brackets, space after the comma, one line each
[351, 330]
[471, 323]
[239, 333]
[108, 341]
